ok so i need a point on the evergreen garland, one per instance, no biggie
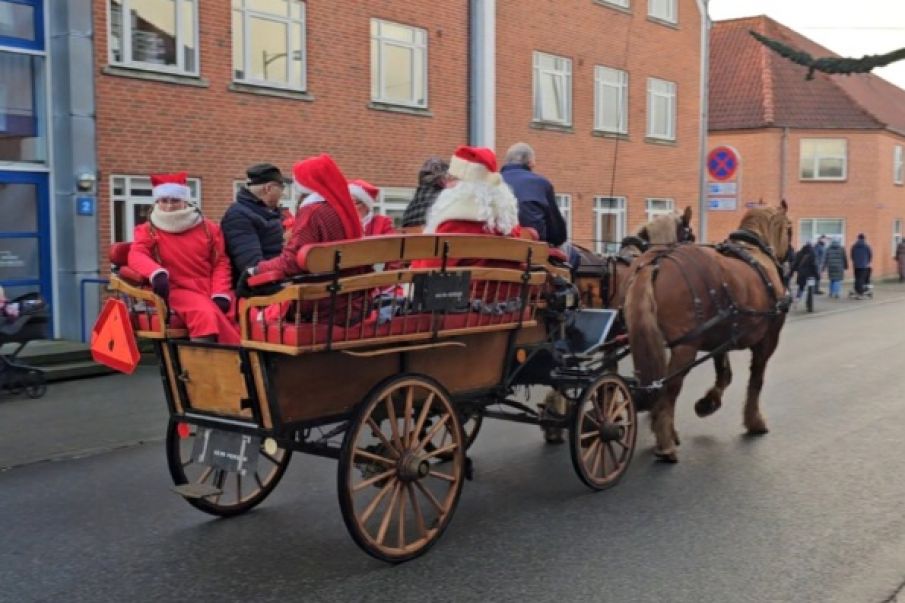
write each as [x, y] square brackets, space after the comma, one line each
[831, 65]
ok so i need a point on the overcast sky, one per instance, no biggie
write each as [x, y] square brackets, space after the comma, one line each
[845, 27]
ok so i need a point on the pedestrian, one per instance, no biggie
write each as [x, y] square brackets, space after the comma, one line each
[836, 265]
[537, 206]
[184, 257]
[432, 179]
[365, 195]
[861, 258]
[900, 259]
[805, 265]
[253, 224]
[820, 257]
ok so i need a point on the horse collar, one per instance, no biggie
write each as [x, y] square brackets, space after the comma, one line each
[634, 241]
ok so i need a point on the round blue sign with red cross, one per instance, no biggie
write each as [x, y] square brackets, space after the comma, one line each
[722, 163]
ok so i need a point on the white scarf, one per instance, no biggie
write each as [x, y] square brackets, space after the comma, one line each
[177, 221]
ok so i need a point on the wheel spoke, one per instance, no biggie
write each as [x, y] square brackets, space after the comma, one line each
[407, 418]
[374, 457]
[613, 455]
[618, 411]
[425, 410]
[206, 474]
[383, 440]
[597, 458]
[372, 506]
[270, 458]
[592, 449]
[373, 480]
[388, 514]
[430, 496]
[416, 507]
[593, 420]
[588, 434]
[430, 435]
[391, 417]
[238, 488]
[443, 476]
[440, 451]
[258, 480]
[400, 537]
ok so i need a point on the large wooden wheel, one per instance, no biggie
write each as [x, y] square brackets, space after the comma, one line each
[603, 431]
[401, 468]
[237, 494]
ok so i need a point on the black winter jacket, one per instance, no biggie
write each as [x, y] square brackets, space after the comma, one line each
[536, 203]
[253, 232]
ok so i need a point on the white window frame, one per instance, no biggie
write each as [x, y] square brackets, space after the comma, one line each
[898, 165]
[564, 74]
[138, 182]
[126, 35]
[608, 77]
[378, 42]
[564, 203]
[896, 234]
[815, 165]
[298, 79]
[815, 232]
[601, 208]
[393, 200]
[661, 89]
[653, 211]
[619, 3]
[655, 10]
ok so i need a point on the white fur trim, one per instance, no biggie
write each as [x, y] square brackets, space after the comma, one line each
[301, 187]
[225, 296]
[367, 219]
[495, 206]
[311, 199]
[359, 194]
[171, 189]
[468, 171]
[158, 271]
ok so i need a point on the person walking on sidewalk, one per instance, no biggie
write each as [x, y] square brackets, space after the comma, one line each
[820, 257]
[900, 259]
[805, 265]
[836, 265]
[861, 258]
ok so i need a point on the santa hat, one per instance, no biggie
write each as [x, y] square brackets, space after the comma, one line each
[474, 164]
[174, 186]
[321, 178]
[364, 192]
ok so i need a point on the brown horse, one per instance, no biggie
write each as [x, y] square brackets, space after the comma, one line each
[689, 298]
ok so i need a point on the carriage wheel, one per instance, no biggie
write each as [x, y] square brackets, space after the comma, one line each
[35, 383]
[471, 422]
[399, 482]
[602, 435]
[238, 493]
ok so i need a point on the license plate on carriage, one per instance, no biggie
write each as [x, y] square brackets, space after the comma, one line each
[226, 450]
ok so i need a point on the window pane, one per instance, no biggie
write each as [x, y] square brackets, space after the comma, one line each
[275, 7]
[17, 21]
[238, 46]
[831, 148]
[19, 259]
[375, 69]
[267, 40]
[550, 97]
[153, 31]
[140, 213]
[119, 222]
[297, 58]
[116, 30]
[397, 77]
[397, 32]
[19, 207]
[22, 125]
[831, 168]
[188, 35]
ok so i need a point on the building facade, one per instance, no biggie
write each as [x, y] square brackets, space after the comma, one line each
[832, 147]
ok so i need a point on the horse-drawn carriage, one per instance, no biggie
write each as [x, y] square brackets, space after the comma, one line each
[390, 372]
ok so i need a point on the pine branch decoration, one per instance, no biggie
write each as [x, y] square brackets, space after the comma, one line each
[831, 65]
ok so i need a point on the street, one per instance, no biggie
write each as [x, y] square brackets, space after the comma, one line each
[813, 511]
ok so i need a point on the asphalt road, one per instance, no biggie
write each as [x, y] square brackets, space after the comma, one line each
[811, 512]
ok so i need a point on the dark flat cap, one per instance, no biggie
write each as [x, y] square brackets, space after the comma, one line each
[265, 172]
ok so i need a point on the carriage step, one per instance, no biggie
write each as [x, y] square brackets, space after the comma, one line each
[196, 490]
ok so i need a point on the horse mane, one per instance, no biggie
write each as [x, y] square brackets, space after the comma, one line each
[662, 229]
[761, 221]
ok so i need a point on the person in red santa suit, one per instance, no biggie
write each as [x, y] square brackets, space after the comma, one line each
[365, 195]
[184, 257]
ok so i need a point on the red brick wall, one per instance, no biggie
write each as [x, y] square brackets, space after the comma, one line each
[214, 133]
[578, 162]
[867, 200]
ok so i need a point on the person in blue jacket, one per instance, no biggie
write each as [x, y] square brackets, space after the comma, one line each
[253, 225]
[537, 207]
[861, 255]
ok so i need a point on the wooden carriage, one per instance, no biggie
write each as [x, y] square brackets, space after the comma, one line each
[386, 354]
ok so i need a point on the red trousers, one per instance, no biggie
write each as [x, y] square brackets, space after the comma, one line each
[202, 317]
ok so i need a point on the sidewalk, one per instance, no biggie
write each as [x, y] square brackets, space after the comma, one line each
[884, 292]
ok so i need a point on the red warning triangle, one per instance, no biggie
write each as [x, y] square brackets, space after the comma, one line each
[112, 338]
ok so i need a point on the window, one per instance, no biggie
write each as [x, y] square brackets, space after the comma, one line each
[609, 223]
[823, 159]
[610, 100]
[898, 177]
[269, 43]
[160, 35]
[564, 202]
[896, 234]
[393, 201]
[665, 10]
[659, 207]
[622, 3]
[23, 126]
[661, 109]
[810, 229]
[552, 89]
[398, 64]
[22, 24]
[132, 202]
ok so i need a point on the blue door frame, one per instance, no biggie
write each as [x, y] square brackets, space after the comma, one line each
[44, 278]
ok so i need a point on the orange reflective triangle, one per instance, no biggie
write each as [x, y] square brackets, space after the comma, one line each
[112, 338]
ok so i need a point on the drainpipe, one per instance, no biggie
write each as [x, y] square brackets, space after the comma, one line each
[783, 153]
[482, 73]
[705, 91]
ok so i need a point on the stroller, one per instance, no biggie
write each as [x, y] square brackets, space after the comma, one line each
[16, 377]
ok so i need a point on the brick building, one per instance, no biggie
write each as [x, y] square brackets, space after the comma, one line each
[831, 146]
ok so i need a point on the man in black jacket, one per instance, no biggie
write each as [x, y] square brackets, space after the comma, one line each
[536, 200]
[252, 226]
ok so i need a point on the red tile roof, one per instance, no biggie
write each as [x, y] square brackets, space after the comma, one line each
[753, 87]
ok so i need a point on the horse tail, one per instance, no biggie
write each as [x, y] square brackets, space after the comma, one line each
[645, 337]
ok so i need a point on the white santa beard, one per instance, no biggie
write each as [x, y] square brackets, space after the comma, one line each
[495, 206]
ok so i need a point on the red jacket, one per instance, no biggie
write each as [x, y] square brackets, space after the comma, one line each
[465, 227]
[195, 260]
[379, 225]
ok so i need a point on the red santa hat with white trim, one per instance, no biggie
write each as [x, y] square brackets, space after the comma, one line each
[364, 192]
[475, 164]
[174, 186]
[322, 179]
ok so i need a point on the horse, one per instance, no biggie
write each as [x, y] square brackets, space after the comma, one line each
[690, 298]
[599, 280]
